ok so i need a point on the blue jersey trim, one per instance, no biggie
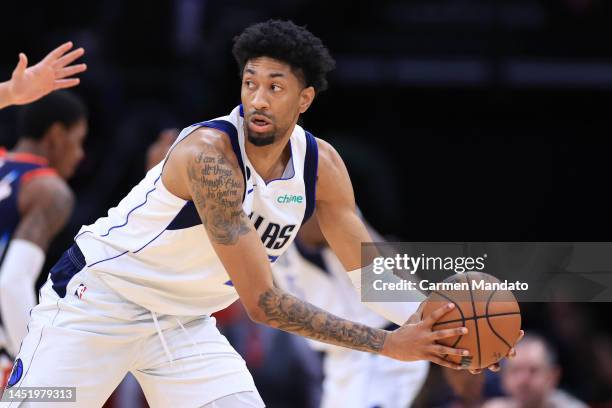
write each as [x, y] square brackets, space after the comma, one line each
[107, 259]
[292, 168]
[11, 174]
[69, 264]
[232, 132]
[127, 217]
[188, 216]
[4, 242]
[311, 165]
[147, 244]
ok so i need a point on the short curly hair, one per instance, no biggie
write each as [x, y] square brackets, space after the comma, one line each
[289, 43]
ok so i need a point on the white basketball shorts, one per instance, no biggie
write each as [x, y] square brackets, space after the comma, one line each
[90, 337]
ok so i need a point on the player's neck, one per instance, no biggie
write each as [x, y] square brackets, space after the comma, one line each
[269, 161]
[30, 147]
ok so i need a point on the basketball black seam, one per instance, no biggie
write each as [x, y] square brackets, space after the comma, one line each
[489, 323]
[475, 321]
[477, 317]
[445, 356]
[453, 302]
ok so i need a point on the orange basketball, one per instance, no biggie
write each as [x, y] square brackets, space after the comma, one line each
[492, 317]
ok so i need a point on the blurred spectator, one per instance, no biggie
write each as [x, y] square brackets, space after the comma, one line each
[158, 150]
[285, 369]
[531, 378]
[468, 388]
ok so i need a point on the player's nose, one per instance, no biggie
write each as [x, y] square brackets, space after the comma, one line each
[260, 100]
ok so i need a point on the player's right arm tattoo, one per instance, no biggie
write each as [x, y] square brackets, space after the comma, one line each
[286, 312]
[217, 188]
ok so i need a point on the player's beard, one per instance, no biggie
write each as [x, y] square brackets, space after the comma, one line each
[261, 139]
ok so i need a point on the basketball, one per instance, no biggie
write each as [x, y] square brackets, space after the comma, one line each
[492, 317]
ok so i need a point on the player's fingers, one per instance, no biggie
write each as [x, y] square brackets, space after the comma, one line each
[437, 314]
[512, 351]
[475, 370]
[69, 71]
[443, 350]
[68, 58]
[21, 65]
[58, 52]
[444, 363]
[66, 83]
[494, 367]
[442, 334]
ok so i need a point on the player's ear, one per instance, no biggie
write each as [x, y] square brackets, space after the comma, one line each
[306, 97]
[55, 134]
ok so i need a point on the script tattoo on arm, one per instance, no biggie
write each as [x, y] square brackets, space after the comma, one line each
[217, 188]
[288, 313]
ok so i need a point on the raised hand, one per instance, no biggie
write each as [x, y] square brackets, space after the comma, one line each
[416, 340]
[28, 84]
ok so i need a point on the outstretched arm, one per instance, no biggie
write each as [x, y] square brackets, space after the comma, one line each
[29, 84]
[45, 204]
[342, 227]
[213, 180]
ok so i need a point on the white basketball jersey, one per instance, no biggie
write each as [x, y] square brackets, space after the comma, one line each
[153, 249]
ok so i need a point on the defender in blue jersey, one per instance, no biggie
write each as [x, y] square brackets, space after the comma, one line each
[35, 202]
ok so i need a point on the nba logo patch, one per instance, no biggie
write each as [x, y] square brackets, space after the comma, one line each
[15, 374]
[80, 291]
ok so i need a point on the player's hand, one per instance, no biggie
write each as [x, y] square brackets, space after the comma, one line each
[29, 84]
[496, 367]
[416, 340]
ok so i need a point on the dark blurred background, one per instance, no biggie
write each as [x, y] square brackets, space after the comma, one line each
[459, 120]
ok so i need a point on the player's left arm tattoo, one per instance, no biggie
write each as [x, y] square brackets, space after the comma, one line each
[217, 187]
[288, 313]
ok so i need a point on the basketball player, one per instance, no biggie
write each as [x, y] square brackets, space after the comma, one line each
[135, 291]
[310, 271]
[35, 202]
[29, 84]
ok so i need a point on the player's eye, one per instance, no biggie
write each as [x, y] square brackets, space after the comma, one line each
[276, 87]
[249, 84]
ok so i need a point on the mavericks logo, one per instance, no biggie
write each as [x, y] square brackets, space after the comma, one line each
[289, 199]
[15, 374]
